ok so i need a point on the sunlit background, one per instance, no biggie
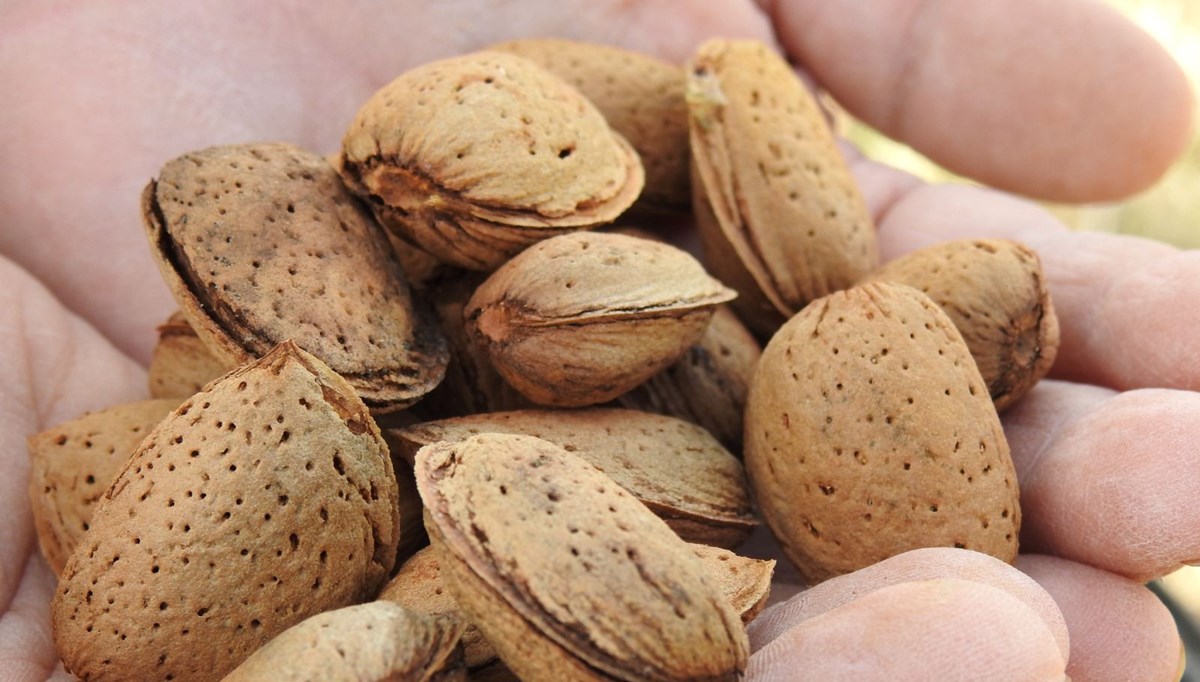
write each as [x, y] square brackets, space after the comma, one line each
[1170, 211]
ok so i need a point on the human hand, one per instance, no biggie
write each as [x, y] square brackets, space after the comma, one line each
[98, 96]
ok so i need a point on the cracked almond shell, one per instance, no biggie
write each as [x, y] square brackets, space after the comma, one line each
[181, 364]
[567, 575]
[995, 293]
[259, 502]
[72, 464]
[781, 219]
[869, 432]
[476, 157]
[261, 243]
[377, 641]
[673, 467]
[641, 97]
[582, 318]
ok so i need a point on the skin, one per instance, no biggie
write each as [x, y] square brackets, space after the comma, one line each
[98, 95]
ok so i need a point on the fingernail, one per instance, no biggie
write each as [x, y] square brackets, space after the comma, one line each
[1182, 662]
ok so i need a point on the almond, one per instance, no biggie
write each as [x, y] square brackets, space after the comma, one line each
[582, 318]
[567, 575]
[181, 364]
[474, 158]
[995, 293]
[708, 385]
[641, 97]
[72, 464]
[261, 243]
[673, 467]
[744, 581]
[869, 432]
[374, 642]
[261, 501]
[781, 218]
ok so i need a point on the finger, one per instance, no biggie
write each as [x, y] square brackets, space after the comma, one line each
[55, 368]
[27, 651]
[1119, 629]
[944, 629]
[1106, 478]
[1126, 305]
[915, 565]
[1049, 98]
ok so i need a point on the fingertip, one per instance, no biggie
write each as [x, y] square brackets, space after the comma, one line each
[944, 629]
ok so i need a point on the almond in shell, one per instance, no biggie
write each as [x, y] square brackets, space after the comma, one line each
[72, 464]
[673, 467]
[582, 318]
[476, 157]
[259, 502]
[995, 293]
[567, 575]
[641, 97]
[261, 243]
[377, 641]
[181, 364]
[869, 432]
[781, 219]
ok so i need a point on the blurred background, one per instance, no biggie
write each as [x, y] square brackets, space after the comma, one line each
[1170, 212]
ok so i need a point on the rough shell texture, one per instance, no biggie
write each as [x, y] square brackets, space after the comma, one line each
[72, 464]
[181, 364]
[780, 216]
[261, 243]
[995, 293]
[744, 581]
[709, 384]
[374, 642]
[580, 319]
[264, 500]
[673, 467]
[567, 575]
[475, 157]
[641, 97]
[869, 432]
[418, 586]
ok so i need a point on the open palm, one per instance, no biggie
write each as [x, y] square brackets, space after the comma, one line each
[1053, 98]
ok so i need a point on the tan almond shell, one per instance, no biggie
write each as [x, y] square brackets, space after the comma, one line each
[378, 641]
[259, 502]
[472, 384]
[181, 364]
[781, 218]
[709, 384]
[869, 432]
[641, 97]
[72, 464]
[475, 157]
[567, 575]
[673, 467]
[579, 319]
[261, 243]
[418, 586]
[995, 293]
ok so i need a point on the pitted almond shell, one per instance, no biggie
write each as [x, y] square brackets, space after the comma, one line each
[259, 502]
[418, 586]
[780, 216]
[869, 432]
[641, 97]
[472, 384]
[673, 467]
[995, 293]
[72, 464]
[261, 243]
[181, 364]
[580, 319]
[567, 575]
[708, 385]
[408, 501]
[377, 641]
[475, 157]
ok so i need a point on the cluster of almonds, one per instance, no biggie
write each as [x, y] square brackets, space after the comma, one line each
[357, 464]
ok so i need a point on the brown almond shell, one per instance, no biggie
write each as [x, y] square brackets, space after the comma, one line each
[181, 364]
